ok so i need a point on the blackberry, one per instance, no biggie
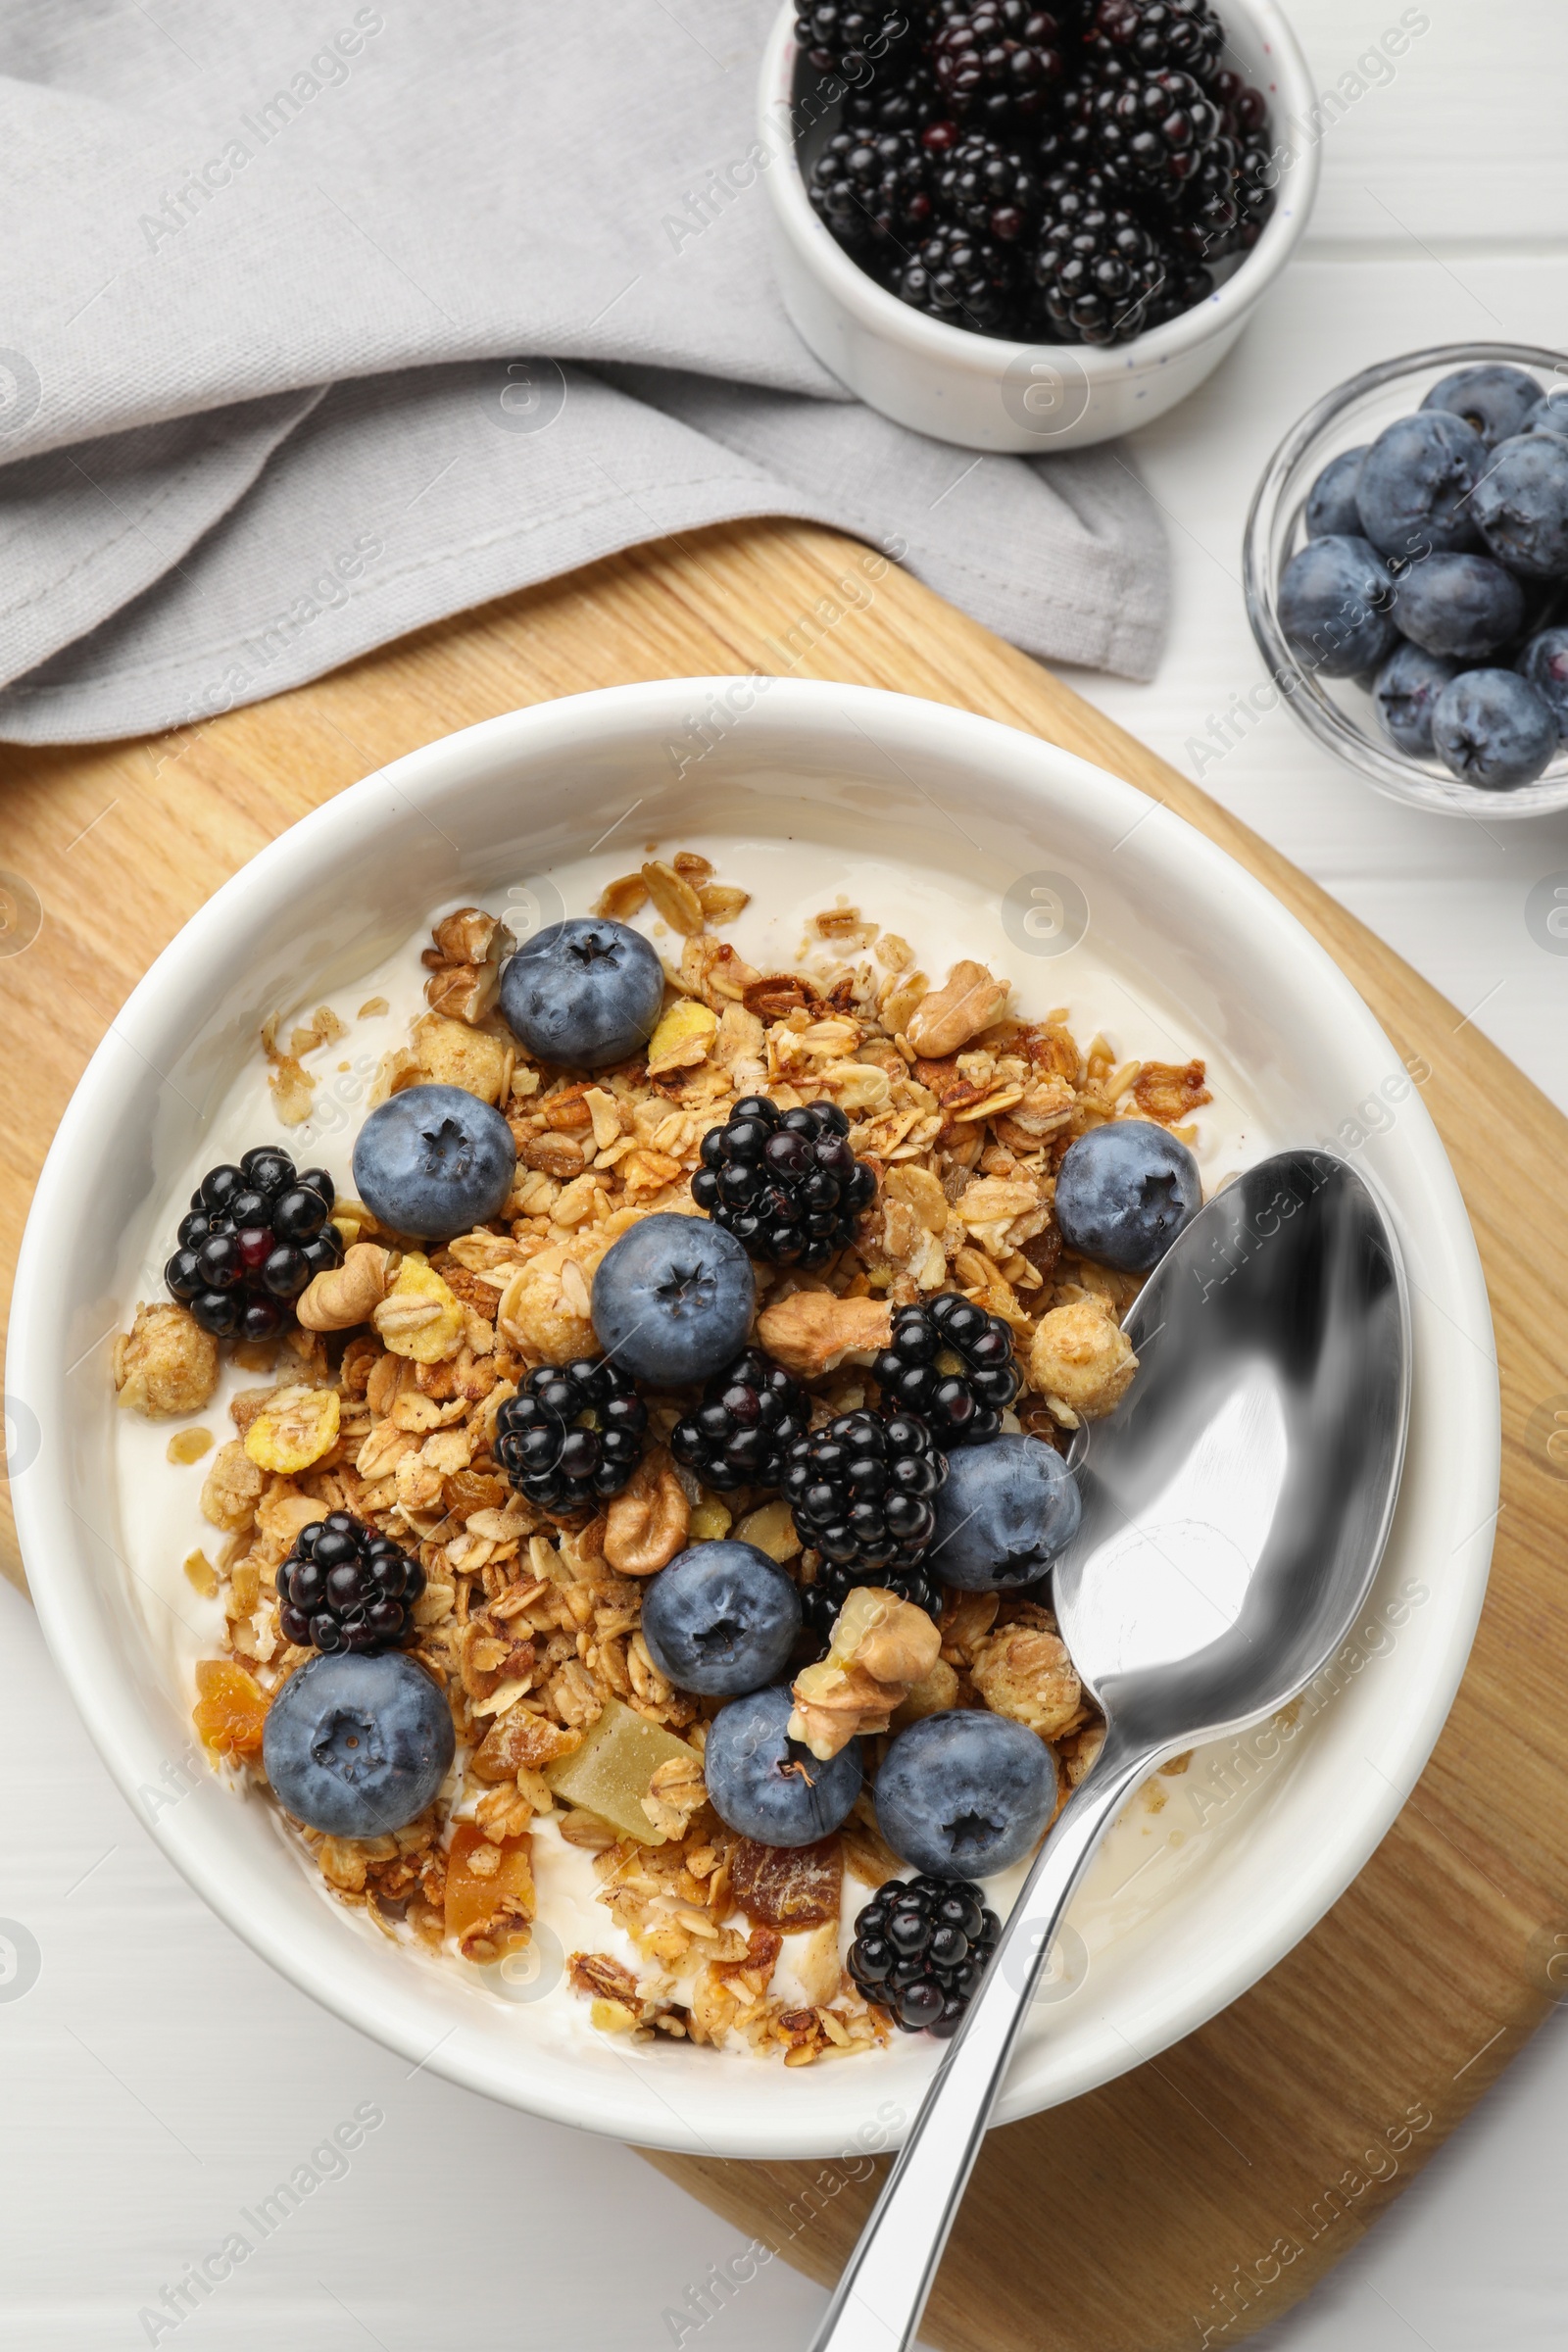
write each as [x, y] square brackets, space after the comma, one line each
[573, 1434]
[922, 1948]
[906, 100]
[873, 189]
[821, 1602]
[1098, 268]
[968, 281]
[952, 1364]
[784, 1183]
[751, 1414]
[998, 60]
[1223, 208]
[1244, 111]
[990, 189]
[343, 1588]
[254, 1236]
[1185, 284]
[1155, 33]
[860, 1491]
[1152, 129]
[834, 36]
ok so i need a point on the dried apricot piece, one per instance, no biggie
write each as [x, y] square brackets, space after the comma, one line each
[489, 1895]
[231, 1709]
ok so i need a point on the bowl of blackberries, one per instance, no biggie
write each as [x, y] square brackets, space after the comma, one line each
[1018, 227]
[1406, 578]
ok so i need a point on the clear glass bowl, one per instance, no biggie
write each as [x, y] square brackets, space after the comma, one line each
[1339, 711]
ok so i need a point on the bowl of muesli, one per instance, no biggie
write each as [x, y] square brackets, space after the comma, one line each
[559, 1317]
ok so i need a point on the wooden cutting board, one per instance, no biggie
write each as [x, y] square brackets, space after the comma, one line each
[1197, 2197]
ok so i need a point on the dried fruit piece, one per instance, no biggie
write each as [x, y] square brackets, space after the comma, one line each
[419, 1316]
[614, 1769]
[231, 1709]
[189, 1445]
[682, 1038]
[788, 1886]
[294, 1430]
[489, 1895]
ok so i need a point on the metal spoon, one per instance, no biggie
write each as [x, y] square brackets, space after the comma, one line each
[1236, 1505]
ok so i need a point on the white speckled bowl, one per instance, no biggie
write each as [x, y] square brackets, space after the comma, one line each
[989, 392]
[1271, 1828]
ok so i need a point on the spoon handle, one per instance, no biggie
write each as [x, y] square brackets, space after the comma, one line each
[879, 2301]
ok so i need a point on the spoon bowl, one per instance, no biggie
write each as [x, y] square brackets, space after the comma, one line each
[1236, 1505]
[1237, 1502]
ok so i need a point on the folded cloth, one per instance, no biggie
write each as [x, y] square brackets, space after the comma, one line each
[267, 278]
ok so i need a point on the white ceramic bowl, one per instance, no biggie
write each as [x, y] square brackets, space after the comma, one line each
[988, 392]
[860, 783]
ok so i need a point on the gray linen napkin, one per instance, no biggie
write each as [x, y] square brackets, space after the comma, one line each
[322, 322]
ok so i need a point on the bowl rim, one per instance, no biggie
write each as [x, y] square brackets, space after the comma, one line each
[1381, 765]
[65, 1570]
[891, 321]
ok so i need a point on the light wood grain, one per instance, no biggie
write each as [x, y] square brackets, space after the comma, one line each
[1118, 2221]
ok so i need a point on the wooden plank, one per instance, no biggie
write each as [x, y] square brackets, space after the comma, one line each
[1143, 2215]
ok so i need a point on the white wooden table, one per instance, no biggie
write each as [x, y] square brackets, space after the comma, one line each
[156, 2077]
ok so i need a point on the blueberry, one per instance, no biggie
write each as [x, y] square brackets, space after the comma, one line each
[721, 1619]
[1493, 400]
[964, 1794]
[1336, 600]
[1124, 1192]
[1521, 506]
[1404, 691]
[434, 1159]
[768, 1786]
[1006, 1511]
[1492, 728]
[1550, 415]
[672, 1300]
[1415, 484]
[1466, 605]
[585, 992]
[357, 1745]
[1544, 662]
[1331, 507]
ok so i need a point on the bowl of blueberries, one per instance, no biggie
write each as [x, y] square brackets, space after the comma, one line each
[1406, 578]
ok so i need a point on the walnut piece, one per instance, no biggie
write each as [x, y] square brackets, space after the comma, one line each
[1024, 1672]
[812, 1332]
[881, 1647]
[646, 1522]
[470, 946]
[349, 1293]
[166, 1364]
[1081, 1361]
[969, 999]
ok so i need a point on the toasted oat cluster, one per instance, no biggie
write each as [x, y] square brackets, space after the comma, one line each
[384, 1402]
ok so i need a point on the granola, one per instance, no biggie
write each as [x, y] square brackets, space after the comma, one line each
[382, 1402]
